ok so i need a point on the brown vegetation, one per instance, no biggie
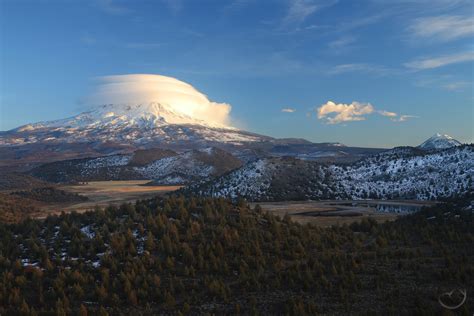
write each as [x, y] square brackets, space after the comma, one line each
[14, 209]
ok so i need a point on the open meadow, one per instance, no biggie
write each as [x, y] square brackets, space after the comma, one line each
[339, 212]
[104, 193]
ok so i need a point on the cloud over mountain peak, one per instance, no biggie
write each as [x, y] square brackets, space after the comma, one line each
[180, 96]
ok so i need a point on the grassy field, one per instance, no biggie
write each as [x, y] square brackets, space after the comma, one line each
[327, 213]
[104, 193]
[320, 213]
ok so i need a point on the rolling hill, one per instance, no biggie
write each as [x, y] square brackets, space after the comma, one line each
[162, 166]
[406, 174]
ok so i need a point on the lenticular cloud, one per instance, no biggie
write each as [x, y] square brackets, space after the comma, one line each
[179, 95]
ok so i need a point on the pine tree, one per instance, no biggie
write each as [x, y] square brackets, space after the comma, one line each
[186, 308]
[82, 310]
[24, 309]
[103, 311]
[60, 311]
[150, 242]
[169, 300]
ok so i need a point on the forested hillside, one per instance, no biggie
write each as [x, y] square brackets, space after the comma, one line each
[14, 208]
[200, 255]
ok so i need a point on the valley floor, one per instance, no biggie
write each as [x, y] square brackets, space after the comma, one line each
[320, 213]
[104, 193]
[89, 195]
[339, 212]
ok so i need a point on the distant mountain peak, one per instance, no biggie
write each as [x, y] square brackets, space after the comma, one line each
[439, 141]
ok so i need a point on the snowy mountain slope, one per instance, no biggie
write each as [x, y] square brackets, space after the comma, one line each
[127, 123]
[439, 141]
[168, 168]
[427, 176]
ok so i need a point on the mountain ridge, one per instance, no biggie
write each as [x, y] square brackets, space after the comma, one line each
[425, 175]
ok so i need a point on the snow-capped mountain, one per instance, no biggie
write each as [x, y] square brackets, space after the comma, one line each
[431, 175]
[140, 110]
[119, 129]
[439, 141]
[124, 128]
[144, 111]
[127, 123]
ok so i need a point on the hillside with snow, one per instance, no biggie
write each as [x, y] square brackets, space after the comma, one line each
[441, 174]
[422, 176]
[162, 166]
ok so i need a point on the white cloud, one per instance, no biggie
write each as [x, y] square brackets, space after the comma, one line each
[288, 110]
[145, 88]
[338, 113]
[445, 82]
[344, 112]
[88, 40]
[423, 5]
[395, 117]
[358, 22]
[387, 113]
[402, 118]
[436, 62]
[342, 42]
[360, 67]
[236, 5]
[443, 28]
[299, 10]
[457, 86]
[111, 7]
[139, 45]
[174, 5]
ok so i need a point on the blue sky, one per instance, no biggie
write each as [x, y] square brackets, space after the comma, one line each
[366, 73]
